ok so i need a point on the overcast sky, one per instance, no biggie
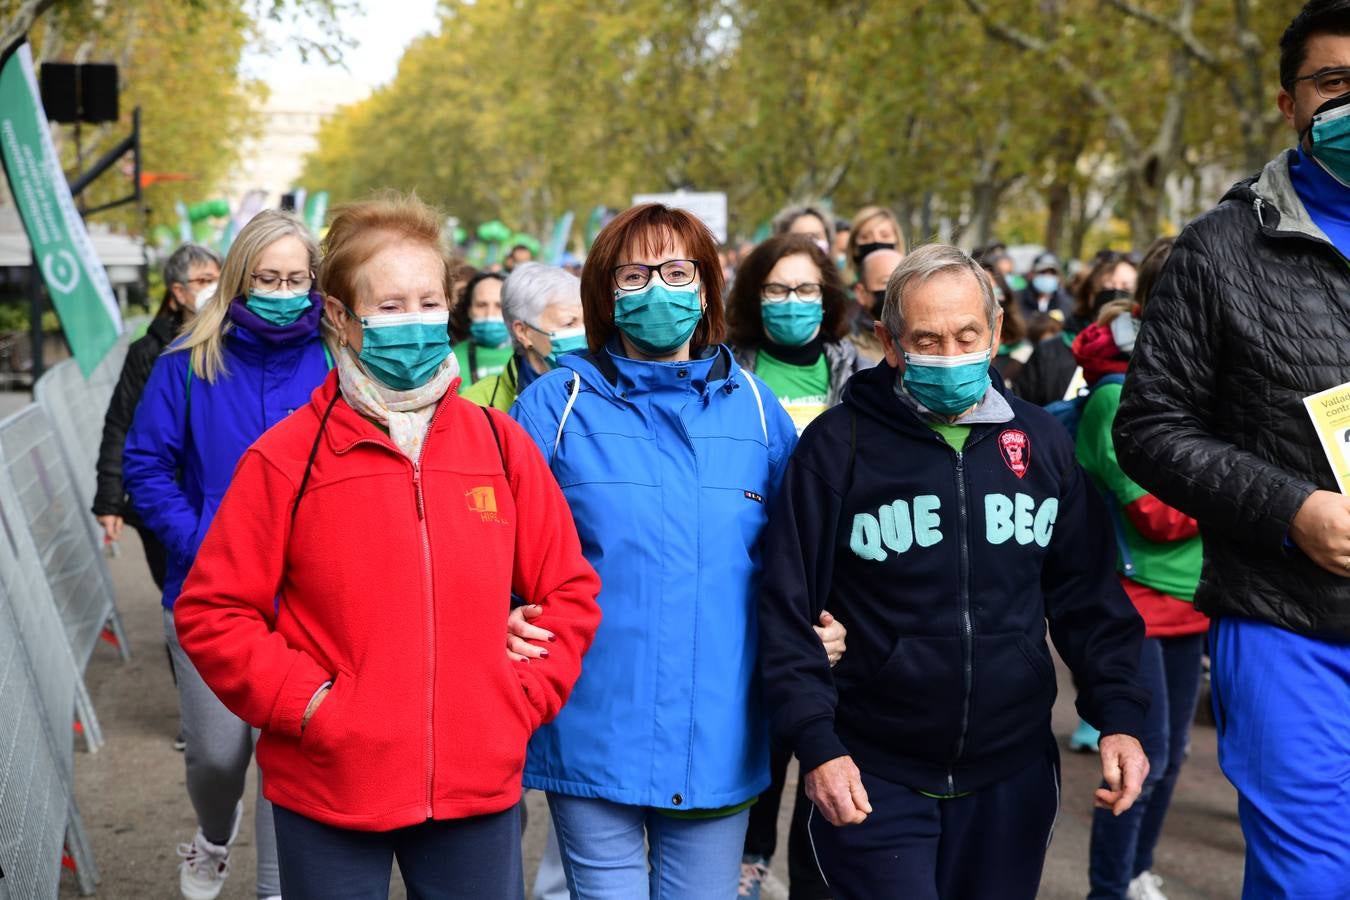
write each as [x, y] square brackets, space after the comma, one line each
[382, 30]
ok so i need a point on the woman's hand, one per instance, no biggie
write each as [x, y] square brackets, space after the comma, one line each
[832, 633]
[315, 702]
[520, 633]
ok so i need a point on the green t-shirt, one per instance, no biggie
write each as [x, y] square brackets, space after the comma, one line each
[954, 435]
[489, 361]
[803, 390]
[1172, 567]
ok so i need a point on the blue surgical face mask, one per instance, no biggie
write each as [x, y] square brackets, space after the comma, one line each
[659, 319]
[489, 332]
[278, 308]
[1330, 133]
[791, 322]
[403, 350]
[561, 342]
[948, 385]
[1045, 284]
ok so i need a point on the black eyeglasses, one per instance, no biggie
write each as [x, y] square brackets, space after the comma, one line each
[270, 281]
[1330, 83]
[674, 272]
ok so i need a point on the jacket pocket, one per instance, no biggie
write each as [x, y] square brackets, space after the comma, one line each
[913, 702]
[518, 694]
[321, 736]
[1013, 691]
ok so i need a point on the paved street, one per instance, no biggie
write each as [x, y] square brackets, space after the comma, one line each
[134, 804]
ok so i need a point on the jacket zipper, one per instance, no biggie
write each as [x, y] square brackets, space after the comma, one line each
[428, 595]
[431, 629]
[967, 622]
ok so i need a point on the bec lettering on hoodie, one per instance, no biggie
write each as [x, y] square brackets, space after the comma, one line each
[901, 525]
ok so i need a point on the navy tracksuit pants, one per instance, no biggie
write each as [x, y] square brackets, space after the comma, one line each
[990, 843]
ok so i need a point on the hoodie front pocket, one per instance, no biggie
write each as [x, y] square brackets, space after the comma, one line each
[1014, 688]
[914, 699]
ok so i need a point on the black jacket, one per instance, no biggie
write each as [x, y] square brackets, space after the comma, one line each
[945, 566]
[1251, 315]
[109, 498]
[1048, 373]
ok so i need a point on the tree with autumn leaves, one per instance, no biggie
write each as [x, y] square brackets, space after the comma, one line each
[1050, 121]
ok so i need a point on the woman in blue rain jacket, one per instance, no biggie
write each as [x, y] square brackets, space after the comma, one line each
[669, 454]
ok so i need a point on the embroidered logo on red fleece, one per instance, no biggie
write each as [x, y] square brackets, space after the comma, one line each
[1015, 447]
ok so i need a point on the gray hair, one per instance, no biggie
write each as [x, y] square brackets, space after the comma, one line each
[918, 268]
[532, 287]
[789, 214]
[179, 264]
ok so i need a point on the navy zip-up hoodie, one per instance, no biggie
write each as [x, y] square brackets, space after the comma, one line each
[945, 567]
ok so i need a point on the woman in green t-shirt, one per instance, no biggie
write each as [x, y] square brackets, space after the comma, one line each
[788, 313]
[788, 317]
[488, 347]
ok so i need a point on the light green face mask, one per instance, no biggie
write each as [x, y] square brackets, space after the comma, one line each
[279, 309]
[1330, 134]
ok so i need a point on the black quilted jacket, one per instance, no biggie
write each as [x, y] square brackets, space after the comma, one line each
[1251, 315]
[109, 498]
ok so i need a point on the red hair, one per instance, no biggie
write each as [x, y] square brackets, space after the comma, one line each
[651, 228]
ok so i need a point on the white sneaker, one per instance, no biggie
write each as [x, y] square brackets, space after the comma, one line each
[204, 869]
[1146, 886]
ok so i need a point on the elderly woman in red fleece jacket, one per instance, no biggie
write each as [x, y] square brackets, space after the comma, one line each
[350, 596]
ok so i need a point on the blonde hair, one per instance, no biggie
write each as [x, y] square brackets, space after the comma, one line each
[205, 337]
[865, 215]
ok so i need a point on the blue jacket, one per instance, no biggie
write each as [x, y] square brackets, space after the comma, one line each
[186, 438]
[669, 469]
[946, 567]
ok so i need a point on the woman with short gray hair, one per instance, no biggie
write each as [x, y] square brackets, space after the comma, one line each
[542, 308]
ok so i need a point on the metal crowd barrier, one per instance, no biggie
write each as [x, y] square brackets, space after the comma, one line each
[71, 558]
[37, 798]
[56, 599]
[76, 408]
[60, 677]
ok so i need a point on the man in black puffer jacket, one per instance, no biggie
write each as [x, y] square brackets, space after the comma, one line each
[190, 275]
[1252, 315]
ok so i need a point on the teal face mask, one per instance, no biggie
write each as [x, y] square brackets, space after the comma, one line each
[489, 332]
[278, 309]
[658, 319]
[568, 340]
[404, 350]
[948, 385]
[791, 322]
[1331, 138]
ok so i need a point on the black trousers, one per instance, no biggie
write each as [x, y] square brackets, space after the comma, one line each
[990, 843]
[761, 837]
[155, 555]
[457, 859]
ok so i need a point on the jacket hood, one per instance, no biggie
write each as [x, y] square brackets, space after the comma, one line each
[613, 375]
[1272, 197]
[1095, 350]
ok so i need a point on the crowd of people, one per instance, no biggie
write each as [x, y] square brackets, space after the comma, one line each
[638, 535]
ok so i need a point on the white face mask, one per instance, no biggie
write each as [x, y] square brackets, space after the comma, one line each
[202, 296]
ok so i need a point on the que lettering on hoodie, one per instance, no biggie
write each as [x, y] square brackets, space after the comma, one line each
[900, 525]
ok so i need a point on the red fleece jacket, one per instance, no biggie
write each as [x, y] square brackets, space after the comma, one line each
[394, 582]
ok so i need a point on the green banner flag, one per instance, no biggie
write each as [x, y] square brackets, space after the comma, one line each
[316, 211]
[75, 279]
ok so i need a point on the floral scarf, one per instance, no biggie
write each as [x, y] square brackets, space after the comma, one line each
[407, 414]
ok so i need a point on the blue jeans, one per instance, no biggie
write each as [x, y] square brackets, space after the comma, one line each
[1282, 706]
[1122, 846]
[606, 855]
[454, 859]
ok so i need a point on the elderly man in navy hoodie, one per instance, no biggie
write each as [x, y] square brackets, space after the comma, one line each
[947, 522]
